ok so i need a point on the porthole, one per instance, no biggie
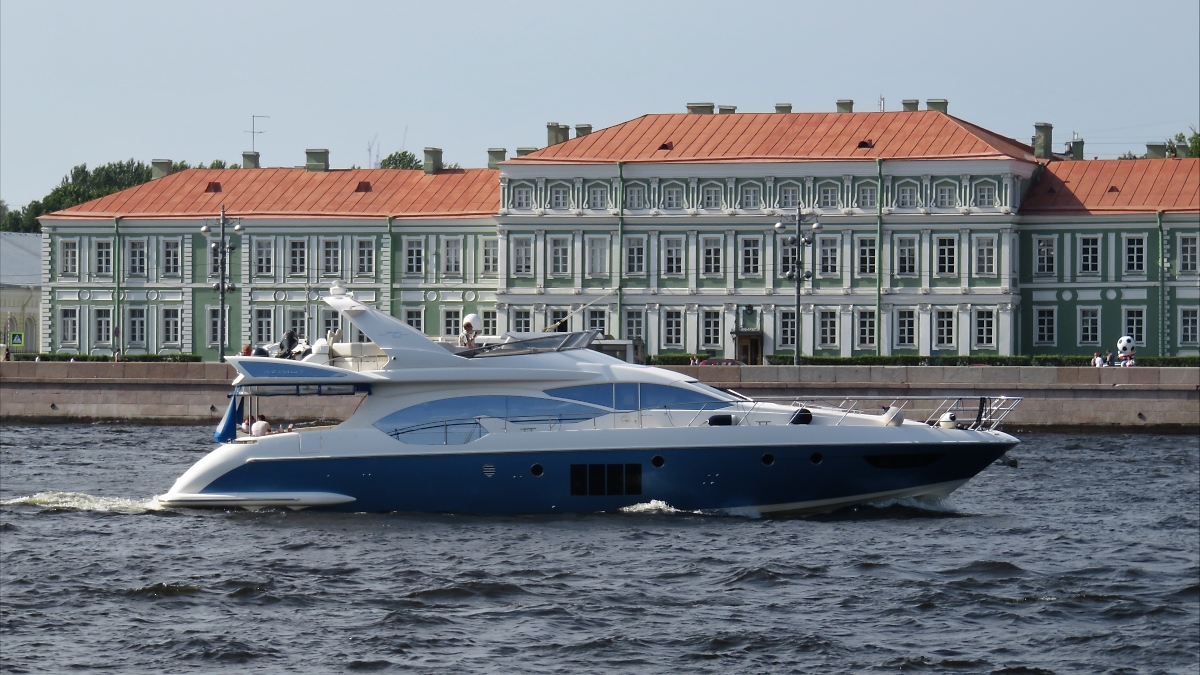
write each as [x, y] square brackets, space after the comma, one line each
[816, 458]
[768, 459]
[537, 470]
[657, 462]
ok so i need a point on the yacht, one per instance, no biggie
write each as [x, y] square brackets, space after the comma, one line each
[545, 425]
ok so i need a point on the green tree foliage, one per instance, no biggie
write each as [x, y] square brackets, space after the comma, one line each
[1184, 145]
[402, 159]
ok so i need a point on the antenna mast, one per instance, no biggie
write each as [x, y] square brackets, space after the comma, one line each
[253, 129]
[373, 159]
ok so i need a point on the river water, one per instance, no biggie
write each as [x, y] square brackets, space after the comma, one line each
[1083, 559]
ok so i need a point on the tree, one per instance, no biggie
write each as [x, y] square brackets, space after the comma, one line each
[402, 159]
[1184, 145]
[3, 210]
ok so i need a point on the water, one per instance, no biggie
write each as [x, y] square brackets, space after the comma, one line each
[1085, 559]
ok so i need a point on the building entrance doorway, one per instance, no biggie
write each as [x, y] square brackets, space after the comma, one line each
[749, 348]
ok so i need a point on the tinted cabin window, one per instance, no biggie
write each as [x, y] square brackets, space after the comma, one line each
[454, 421]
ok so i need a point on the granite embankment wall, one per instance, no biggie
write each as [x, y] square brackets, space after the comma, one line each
[1159, 399]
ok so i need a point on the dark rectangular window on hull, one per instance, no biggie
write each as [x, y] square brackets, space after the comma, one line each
[606, 479]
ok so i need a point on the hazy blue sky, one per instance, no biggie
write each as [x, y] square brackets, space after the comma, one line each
[93, 82]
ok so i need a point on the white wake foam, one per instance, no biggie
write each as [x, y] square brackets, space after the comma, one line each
[652, 506]
[936, 504]
[84, 502]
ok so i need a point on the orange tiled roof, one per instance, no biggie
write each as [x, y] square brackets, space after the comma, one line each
[748, 137]
[452, 193]
[1116, 186]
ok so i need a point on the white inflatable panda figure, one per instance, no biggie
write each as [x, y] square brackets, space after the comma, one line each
[1126, 352]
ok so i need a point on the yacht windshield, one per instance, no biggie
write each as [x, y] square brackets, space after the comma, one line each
[543, 343]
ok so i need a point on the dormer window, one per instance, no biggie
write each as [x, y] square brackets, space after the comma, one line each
[363, 186]
[985, 195]
[906, 197]
[213, 186]
[667, 146]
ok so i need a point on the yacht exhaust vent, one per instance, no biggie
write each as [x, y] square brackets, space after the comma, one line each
[489, 470]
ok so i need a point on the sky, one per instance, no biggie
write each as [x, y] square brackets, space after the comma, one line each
[95, 82]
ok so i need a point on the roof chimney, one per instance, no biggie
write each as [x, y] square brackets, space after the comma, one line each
[582, 130]
[939, 104]
[783, 107]
[1075, 149]
[845, 105]
[433, 160]
[159, 168]
[557, 133]
[316, 160]
[700, 108]
[726, 109]
[495, 156]
[1043, 140]
[911, 104]
[1156, 150]
[521, 152]
[249, 160]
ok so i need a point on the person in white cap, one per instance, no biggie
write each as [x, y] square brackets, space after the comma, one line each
[467, 338]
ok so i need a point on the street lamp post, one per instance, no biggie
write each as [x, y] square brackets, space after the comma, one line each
[222, 248]
[797, 273]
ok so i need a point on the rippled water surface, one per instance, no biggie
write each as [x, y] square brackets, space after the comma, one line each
[1085, 559]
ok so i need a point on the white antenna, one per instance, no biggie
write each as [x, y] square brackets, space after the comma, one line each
[881, 103]
[404, 141]
[373, 160]
[253, 130]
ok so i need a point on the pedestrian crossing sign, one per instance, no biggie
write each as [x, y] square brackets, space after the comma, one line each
[16, 339]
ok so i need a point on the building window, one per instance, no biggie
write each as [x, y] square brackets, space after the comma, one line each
[985, 195]
[828, 255]
[491, 256]
[673, 198]
[712, 197]
[332, 256]
[137, 258]
[1089, 255]
[944, 327]
[598, 320]
[947, 197]
[452, 257]
[1135, 325]
[597, 256]
[751, 197]
[712, 328]
[68, 325]
[672, 328]
[452, 322]
[104, 257]
[1135, 255]
[297, 257]
[522, 255]
[560, 255]
[1045, 255]
[559, 198]
[1089, 326]
[866, 328]
[1044, 325]
[414, 257]
[947, 251]
[264, 257]
[415, 318]
[364, 260]
[597, 197]
[712, 255]
[866, 196]
[866, 255]
[215, 256]
[68, 258]
[1189, 327]
[171, 258]
[787, 328]
[559, 321]
[1188, 247]
[489, 322]
[298, 322]
[906, 328]
[789, 196]
[985, 256]
[985, 328]
[787, 256]
[635, 198]
[136, 333]
[522, 196]
[331, 322]
[214, 325]
[827, 197]
[673, 256]
[635, 255]
[828, 328]
[906, 256]
[906, 197]
[170, 326]
[263, 330]
[103, 321]
[522, 321]
[751, 257]
[635, 324]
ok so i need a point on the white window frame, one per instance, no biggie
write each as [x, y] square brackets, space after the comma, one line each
[1039, 338]
[560, 197]
[522, 255]
[414, 256]
[1045, 255]
[786, 255]
[328, 270]
[674, 196]
[944, 339]
[1083, 256]
[901, 191]
[750, 262]
[750, 196]
[560, 255]
[900, 247]
[297, 321]
[102, 332]
[522, 196]
[414, 317]
[1188, 262]
[1195, 341]
[171, 251]
[262, 326]
[489, 322]
[212, 325]
[985, 187]
[302, 258]
[451, 321]
[364, 257]
[138, 248]
[171, 326]
[789, 196]
[65, 336]
[596, 248]
[712, 255]
[264, 266]
[712, 196]
[901, 329]
[710, 328]
[490, 254]
[597, 197]
[522, 320]
[866, 339]
[866, 196]
[787, 328]
[945, 195]
[137, 330]
[982, 243]
[1125, 310]
[672, 327]
[635, 255]
[1079, 325]
[558, 320]
[452, 256]
[597, 319]
[828, 320]
[65, 269]
[829, 195]
[938, 265]
[635, 197]
[977, 320]
[677, 244]
[97, 245]
[859, 245]
[1127, 241]
[635, 324]
[829, 242]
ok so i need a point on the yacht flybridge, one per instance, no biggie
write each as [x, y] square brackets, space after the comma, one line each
[545, 425]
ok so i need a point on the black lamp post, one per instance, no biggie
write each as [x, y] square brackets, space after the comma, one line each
[797, 273]
[222, 248]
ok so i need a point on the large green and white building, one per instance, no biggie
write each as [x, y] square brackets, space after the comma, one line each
[937, 236]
